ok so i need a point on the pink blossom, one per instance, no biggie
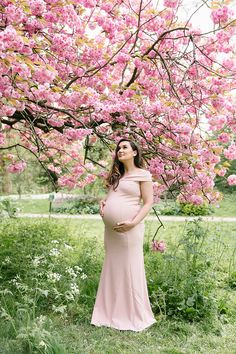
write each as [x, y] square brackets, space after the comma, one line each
[33, 25]
[196, 199]
[21, 69]
[88, 3]
[17, 167]
[222, 14]
[43, 75]
[14, 14]
[78, 170]
[221, 172]
[55, 122]
[229, 63]
[232, 180]
[38, 7]
[11, 39]
[77, 134]
[68, 182]
[224, 138]
[56, 169]
[107, 6]
[218, 122]
[171, 3]
[149, 136]
[7, 111]
[89, 179]
[103, 78]
[230, 153]
[158, 246]
[122, 58]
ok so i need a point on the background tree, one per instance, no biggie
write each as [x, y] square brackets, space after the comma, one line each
[81, 71]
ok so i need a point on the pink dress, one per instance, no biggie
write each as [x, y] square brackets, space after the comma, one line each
[122, 298]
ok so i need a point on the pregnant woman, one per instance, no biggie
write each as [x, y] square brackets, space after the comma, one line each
[122, 298]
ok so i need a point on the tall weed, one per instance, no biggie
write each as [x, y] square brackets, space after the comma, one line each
[181, 281]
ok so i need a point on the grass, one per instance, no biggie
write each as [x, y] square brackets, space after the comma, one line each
[226, 208]
[167, 336]
[34, 206]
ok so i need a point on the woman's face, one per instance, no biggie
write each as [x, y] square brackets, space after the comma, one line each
[125, 151]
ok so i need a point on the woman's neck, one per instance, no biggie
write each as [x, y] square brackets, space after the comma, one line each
[129, 167]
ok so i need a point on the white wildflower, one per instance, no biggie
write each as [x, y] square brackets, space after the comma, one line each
[54, 252]
[69, 296]
[6, 260]
[71, 272]
[37, 260]
[17, 282]
[41, 320]
[83, 276]
[42, 344]
[43, 292]
[74, 289]
[59, 309]
[23, 287]
[54, 277]
[78, 268]
[55, 241]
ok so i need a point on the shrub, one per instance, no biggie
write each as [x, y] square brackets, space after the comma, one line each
[195, 210]
[168, 209]
[82, 205]
[185, 209]
[181, 282]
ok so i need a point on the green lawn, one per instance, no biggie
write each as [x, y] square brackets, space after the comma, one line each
[227, 207]
[167, 336]
[35, 206]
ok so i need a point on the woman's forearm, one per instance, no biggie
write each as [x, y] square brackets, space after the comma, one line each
[142, 213]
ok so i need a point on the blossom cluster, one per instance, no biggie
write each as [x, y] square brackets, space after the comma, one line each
[158, 246]
[78, 72]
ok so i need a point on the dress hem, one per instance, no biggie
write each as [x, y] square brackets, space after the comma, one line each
[123, 329]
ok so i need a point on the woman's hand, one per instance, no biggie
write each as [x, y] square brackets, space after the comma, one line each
[124, 226]
[101, 208]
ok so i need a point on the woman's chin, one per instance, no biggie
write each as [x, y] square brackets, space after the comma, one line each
[123, 158]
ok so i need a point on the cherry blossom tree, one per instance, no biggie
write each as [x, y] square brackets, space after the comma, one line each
[78, 72]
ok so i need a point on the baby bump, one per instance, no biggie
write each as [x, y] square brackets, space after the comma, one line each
[117, 210]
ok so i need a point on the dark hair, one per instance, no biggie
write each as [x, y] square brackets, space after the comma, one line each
[117, 169]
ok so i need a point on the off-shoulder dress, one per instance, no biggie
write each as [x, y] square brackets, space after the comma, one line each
[122, 300]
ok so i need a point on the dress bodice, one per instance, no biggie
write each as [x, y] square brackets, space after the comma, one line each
[125, 201]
